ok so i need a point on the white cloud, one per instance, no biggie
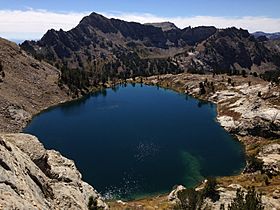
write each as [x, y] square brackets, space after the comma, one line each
[250, 23]
[32, 24]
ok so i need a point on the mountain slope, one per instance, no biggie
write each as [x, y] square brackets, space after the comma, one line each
[27, 86]
[233, 50]
[99, 49]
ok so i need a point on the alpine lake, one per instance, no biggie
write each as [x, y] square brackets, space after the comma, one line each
[136, 140]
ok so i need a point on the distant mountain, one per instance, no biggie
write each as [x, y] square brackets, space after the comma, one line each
[165, 26]
[18, 41]
[98, 49]
[271, 36]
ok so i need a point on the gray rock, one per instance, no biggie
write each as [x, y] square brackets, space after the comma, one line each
[32, 177]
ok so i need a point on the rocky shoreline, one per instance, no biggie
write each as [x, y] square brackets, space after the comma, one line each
[248, 108]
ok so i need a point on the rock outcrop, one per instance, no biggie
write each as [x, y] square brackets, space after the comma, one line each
[32, 177]
[270, 155]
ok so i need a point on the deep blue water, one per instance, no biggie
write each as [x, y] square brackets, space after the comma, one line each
[134, 141]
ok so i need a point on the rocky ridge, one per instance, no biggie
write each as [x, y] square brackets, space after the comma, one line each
[102, 49]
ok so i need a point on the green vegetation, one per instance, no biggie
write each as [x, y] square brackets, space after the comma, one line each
[244, 74]
[271, 76]
[126, 65]
[92, 204]
[75, 79]
[250, 201]
[202, 90]
[189, 200]
[253, 164]
[210, 191]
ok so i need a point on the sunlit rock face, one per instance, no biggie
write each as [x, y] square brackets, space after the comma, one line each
[34, 178]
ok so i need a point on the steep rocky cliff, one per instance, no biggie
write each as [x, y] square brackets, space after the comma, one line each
[32, 177]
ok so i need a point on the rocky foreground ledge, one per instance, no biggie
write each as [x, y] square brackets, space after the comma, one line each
[32, 177]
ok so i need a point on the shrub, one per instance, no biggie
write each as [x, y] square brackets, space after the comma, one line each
[255, 74]
[244, 74]
[253, 164]
[189, 200]
[202, 90]
[210, 190]
[92, 204]
[252, 201]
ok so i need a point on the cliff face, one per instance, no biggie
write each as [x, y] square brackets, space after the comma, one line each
[32, 177]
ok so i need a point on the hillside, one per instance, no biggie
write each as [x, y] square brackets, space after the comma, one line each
[232, 51]
[27, 86]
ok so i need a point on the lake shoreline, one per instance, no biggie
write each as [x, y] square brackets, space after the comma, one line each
[189, 84]
[169, 114]
[253, 144]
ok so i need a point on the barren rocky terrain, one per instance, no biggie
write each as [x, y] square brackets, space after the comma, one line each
[28, 87]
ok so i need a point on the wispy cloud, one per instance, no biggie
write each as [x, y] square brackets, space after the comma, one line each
[32, 24]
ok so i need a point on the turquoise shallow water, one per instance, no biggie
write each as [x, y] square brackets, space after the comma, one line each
[139, 140]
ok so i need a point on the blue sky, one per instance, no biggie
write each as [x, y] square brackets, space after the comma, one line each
[30, 19]
[170, 8]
